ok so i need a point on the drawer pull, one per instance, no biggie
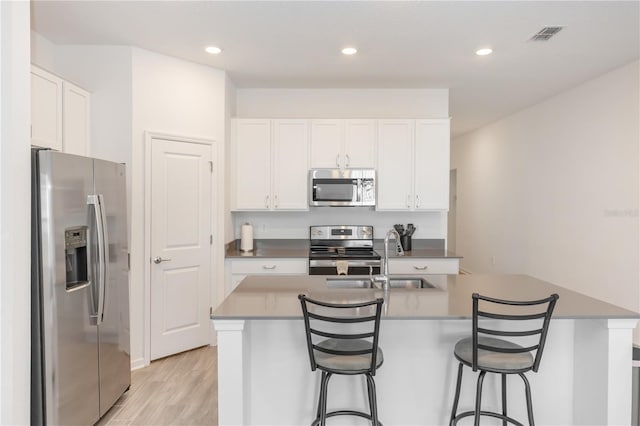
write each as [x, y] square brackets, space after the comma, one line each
[269, 267]
[420, 268]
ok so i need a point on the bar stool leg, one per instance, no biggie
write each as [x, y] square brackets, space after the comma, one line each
[527, 390]
[457, 396]
[476, 421]
[323, 390]
[373, 404]
[504, 398]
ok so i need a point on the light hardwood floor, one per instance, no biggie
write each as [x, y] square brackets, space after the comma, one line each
[178, 390]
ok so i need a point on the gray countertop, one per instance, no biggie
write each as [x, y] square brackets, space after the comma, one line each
[299, 248]
[275, 297]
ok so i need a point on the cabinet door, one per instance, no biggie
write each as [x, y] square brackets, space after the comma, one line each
[360, 143]
[46, 109]
[290, 164]
[252, 164]
[395, 165]
[432, 164]
[326, 143]
[76, 118]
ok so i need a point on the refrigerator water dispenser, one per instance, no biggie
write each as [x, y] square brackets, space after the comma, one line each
[75, 243]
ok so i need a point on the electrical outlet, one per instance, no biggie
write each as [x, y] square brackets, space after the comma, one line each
[493, 260]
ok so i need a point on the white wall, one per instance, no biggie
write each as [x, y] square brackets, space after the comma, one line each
[553, 190]
[340, 103]
[174, 97]
[15, 225]
[343, 103]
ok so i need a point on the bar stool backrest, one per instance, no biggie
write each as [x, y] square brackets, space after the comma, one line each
[531, 318]
[341, 321]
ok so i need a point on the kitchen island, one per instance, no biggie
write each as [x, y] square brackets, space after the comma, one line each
[263, 367]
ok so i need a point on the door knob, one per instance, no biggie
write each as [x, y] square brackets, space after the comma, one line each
[158, 259]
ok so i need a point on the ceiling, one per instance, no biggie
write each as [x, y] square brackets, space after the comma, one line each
[401, 44]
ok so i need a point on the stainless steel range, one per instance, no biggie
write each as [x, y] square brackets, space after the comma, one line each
[342, 250]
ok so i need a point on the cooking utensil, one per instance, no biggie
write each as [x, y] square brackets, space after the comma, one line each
[410, 229]
[399, 228]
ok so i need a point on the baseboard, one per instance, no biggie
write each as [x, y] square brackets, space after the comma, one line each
[137, 364]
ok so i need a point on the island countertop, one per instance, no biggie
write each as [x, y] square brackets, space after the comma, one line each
[275, 297]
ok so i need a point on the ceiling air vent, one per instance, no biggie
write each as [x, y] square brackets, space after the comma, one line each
[546, 33]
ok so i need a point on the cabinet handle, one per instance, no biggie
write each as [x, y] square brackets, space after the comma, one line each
[348, 160]
[417, 201]
[269, 267]
[275, 201]
[409, 201]
[338, 160]
[266, 202]
[420, 268]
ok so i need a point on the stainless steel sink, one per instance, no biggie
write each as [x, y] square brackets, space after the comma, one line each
[394, 283]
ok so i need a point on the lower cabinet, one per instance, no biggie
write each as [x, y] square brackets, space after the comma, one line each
[238, 269]
[424, 266]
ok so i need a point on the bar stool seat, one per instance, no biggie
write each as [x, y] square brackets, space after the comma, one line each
[489, 360]
[342, 338]
[348, 364]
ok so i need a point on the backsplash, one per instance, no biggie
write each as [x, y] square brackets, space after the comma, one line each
[269, 225]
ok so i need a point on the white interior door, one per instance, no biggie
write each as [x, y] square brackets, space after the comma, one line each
[180, 246]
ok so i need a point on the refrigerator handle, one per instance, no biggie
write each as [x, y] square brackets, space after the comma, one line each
[103, 254]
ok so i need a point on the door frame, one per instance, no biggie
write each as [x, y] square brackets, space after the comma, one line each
[215, 231]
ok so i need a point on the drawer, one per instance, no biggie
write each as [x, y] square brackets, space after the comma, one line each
[424, 266]
[269, 266]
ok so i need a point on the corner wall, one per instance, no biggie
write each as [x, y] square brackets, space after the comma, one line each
[15, 216]
[553, 191]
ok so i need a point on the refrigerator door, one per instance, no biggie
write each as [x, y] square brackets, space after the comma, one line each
[68, 336]
[113, 326]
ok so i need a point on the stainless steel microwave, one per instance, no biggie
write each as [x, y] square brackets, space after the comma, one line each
[342, 187]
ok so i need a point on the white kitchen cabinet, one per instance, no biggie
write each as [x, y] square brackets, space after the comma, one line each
[422, 266]
[413, 164]
[238, 269]
[270, 164]
[46, 109]
[431, 166]
[60, 113]
[76, 116]
[343, 143]
[395, 164]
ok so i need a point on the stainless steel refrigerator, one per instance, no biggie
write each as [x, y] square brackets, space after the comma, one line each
[80, 289]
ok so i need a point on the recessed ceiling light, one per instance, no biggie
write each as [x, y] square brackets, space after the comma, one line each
[483, 52]
[349, 51]
[214, 50]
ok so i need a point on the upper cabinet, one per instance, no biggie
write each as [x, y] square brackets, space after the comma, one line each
[270, 164]
[413, 164]
[60, 113]
[46, 109]
[76, 116]
[343, 143]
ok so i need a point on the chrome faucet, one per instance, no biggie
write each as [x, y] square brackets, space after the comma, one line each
[383, 278]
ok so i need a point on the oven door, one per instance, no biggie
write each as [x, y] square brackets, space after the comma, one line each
[355, 266]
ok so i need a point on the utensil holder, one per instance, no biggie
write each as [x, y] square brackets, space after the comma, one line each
[405, 241]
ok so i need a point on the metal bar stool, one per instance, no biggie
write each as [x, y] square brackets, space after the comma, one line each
[342, 338]
[495, 355]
